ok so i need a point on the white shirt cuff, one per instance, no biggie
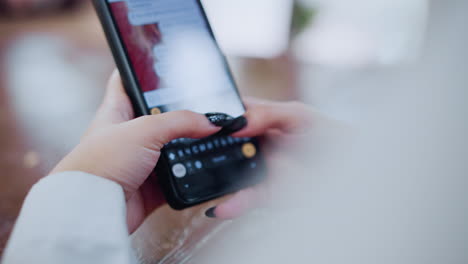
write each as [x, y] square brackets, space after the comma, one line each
[71, 217]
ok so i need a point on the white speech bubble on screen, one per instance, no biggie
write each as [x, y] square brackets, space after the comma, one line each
[252, 28]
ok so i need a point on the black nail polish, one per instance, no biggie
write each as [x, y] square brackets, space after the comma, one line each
[211, 212]
[219, 119]
[233, 126]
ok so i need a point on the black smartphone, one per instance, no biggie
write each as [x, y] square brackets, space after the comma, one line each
[139, 33]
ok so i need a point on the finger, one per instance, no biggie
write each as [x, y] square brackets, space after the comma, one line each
[143, 203]
[152, 194]
[116, 106]
[240, 203]
[261, 195]
[286, 117]
[156, 130]
[135, 212]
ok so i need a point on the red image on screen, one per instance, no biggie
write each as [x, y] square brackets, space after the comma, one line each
[139, 42]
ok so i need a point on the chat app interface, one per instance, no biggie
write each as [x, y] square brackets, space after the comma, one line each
[175, 59]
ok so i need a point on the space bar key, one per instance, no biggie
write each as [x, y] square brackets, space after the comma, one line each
[219, 160]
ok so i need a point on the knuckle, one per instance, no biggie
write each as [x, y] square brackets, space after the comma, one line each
[185, 112]
[301, 109]
[145, 121]
[182, 115]
[185, 119]
[296, 105]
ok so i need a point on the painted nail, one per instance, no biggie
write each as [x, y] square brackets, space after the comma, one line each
[234, 126]
[211, 212]
[219, 119]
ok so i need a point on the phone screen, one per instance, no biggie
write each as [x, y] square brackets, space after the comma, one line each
[175, 58]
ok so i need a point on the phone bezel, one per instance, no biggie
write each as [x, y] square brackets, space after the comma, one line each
[123, 62]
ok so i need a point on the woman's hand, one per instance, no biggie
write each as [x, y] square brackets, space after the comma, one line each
[126, 150]
[280, 125]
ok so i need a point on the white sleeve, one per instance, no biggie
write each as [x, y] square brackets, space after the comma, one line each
[71, 217]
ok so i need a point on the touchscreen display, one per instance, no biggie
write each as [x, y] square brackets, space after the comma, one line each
[175, 59]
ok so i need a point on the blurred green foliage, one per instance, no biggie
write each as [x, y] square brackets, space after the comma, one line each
[302, 17]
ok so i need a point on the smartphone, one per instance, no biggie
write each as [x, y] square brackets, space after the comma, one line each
[141, 34]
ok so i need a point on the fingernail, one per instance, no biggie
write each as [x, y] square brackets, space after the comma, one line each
[238, 124]
[211, 212]
[234, 126]
[219, 119]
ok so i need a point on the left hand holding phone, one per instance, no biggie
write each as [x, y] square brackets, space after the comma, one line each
[126, 150]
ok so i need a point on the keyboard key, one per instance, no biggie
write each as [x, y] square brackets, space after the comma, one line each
[171, 156]
[190, 141]
[189, 166]
[179, 170]
[223, 142]
[181, 154]
[249, 150]
[209, 146]
[195, 149]
[253, 165]
[198, 164]
[202, 147]
[220, 159]
[188, 151]
[216, 143]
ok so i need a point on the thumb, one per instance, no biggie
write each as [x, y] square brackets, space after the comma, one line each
[157, 130]
[240, 203]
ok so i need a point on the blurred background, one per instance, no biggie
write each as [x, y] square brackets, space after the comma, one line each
[375, 64]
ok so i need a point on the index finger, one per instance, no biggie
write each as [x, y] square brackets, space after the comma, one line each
[283, 116]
